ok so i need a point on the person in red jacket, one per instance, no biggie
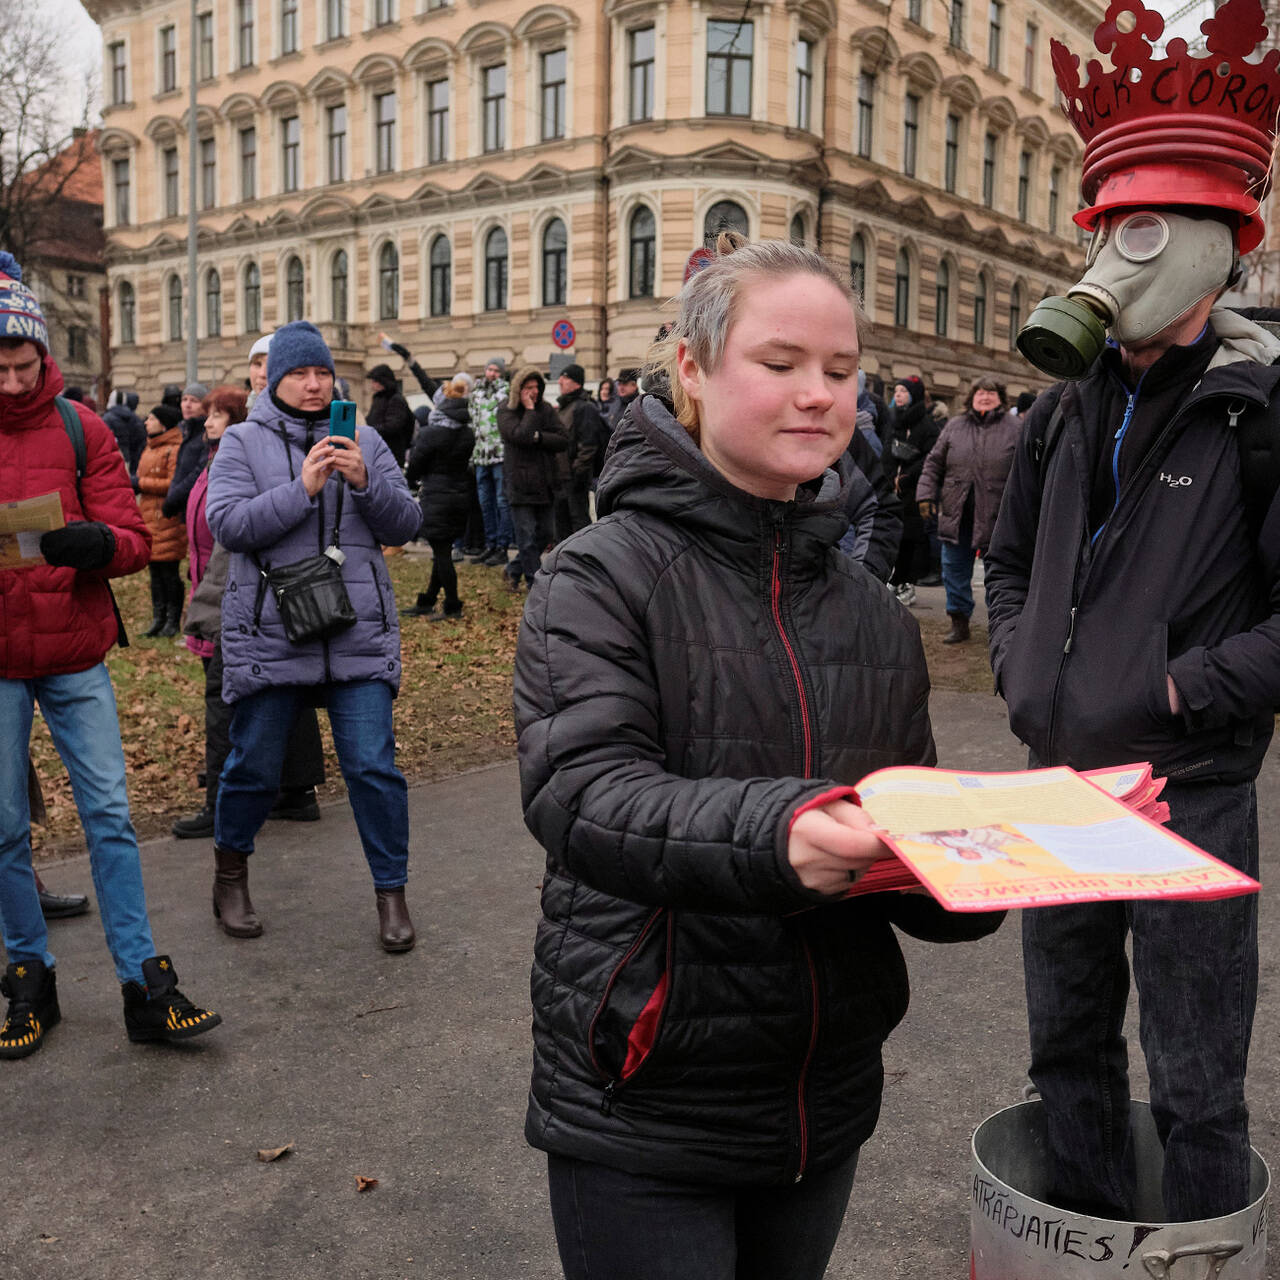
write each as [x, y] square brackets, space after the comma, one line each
[60, 621]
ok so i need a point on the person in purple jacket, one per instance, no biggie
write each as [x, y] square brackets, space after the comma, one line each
[279, 486]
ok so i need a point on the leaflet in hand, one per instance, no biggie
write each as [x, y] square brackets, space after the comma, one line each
[21, 525]
[1040, 837]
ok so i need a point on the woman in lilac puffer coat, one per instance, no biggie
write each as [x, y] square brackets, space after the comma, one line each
[274, 496]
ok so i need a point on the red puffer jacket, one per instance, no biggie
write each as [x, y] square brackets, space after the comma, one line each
[54, 621]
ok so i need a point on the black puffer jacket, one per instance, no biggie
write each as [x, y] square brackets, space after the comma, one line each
[440, 461]
[531, 439]
[389, 413]
[692, 669]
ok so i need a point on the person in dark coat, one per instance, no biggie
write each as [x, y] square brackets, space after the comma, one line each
[912, 432]
[126, 426]
[961, 485]
[440, 464]
[192, 456]
[532, 436]
[581, 461]
[701, 679]
[389, 413]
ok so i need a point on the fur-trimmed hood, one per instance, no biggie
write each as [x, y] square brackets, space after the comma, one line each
[523, 376]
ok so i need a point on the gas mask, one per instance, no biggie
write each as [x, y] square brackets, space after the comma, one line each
[1144, 269]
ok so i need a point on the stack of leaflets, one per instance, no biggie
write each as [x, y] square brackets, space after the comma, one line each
[1039, 837]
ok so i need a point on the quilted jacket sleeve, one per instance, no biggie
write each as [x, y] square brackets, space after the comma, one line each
[595, 790]
[385, 503]
[107, 495]
[242, 518]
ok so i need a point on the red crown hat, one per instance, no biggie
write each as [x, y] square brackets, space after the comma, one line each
[1182, 130]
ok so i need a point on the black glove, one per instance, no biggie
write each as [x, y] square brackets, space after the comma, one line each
[402, 352]
[87, 544]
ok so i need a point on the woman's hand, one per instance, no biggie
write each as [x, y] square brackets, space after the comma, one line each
[529, 396]
[831, 846]
[928, 510]
[317, 467]
[348, 461]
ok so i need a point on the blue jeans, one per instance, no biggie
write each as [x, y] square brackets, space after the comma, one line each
[612, 1225]
[360, 716]
[1196, 967]
[957, 577]
[493, 506]
[80, 710]
[534, 532]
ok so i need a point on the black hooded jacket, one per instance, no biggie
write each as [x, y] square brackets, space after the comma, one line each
[692, 669]
[389, 413]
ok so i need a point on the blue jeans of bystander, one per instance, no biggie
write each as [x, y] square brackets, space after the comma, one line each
[498, 531]
[957, 577]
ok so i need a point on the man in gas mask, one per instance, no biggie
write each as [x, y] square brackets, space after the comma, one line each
[1133, 598]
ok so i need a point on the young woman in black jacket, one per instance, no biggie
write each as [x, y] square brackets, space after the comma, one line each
[701, 678]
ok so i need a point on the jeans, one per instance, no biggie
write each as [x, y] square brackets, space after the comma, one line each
[533, 534]
[80, 710]
[1196, 967]
[957, 577]
[498, 531]
[612, 1225]
[360, 716]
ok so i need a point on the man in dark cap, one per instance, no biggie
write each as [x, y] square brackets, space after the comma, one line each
[588, 438]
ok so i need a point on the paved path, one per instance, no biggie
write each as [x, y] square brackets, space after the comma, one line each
[127, 1161]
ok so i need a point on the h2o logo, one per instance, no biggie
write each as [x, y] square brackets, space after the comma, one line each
[1176, 482]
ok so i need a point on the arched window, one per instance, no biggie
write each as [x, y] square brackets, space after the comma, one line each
[213, 304]
[1015, 315]
[388, 282]
[555, 258]
[338, 287]
[643, 242]
[797, 229]
[942, 300]
[495, 270]
[128, 315]
[441, 276]
[858, 265]
[980, 309]
[724, 215]
[252, 299]
[293, 290]
[902, 290]
[175, 309]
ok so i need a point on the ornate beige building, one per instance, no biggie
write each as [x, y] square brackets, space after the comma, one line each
[465, 175]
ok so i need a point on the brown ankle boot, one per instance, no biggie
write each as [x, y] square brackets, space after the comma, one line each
[959, 632]
[231, 906]
[395, 929]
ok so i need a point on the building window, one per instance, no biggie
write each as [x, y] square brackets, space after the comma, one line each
[441, 276]
[338, 287]
[552, 83]
[120, 181]
[1024, 184]
[119, 73]
[1055, 182]
[980, 310]
[804, 84]
[248, 163]
[495, 270]
[555, 260]
[75, 286]
[175, 309]
[384, 12]
[915, 11]
[858, 265]
[77, 345]
[724, 215]
[640, 64]
[336, 132]
[1015, 315]
[796, 234]
[335, 19]
[910, 133]
[290, 153]
[902, 290]
[989, 143]
[208, 173]
[643, 241]
[128, 315]
[866, 113]
[942, 300]
[244, 33]
[288, 26]
[204, 45]
[995, 34]
[213, 305]
[252, 299]
[951, 153]
[729, 48]
[388, 282]
[384, 126]
[437, 121]
[294, 290]
[956, 26]
[493, 102]
[1030, 57]
[169, 161]
[168, 59]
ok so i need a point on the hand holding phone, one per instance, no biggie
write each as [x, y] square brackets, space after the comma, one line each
[342, 418]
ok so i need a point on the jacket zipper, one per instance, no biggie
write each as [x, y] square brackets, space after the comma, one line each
[804, 1068]
[775, 601]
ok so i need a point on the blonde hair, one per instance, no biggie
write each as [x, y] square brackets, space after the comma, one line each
[709, 308]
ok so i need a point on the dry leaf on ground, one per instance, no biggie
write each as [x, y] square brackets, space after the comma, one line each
[268, 1154]
[365, 1184]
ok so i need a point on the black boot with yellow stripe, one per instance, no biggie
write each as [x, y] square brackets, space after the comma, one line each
[159, 1011]
[32, 992]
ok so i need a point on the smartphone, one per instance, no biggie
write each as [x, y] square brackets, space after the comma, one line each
[342, 418]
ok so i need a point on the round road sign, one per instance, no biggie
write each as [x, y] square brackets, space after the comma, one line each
[564, 334]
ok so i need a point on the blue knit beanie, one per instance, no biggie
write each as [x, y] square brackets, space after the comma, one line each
[20, 314]
[296, 346]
